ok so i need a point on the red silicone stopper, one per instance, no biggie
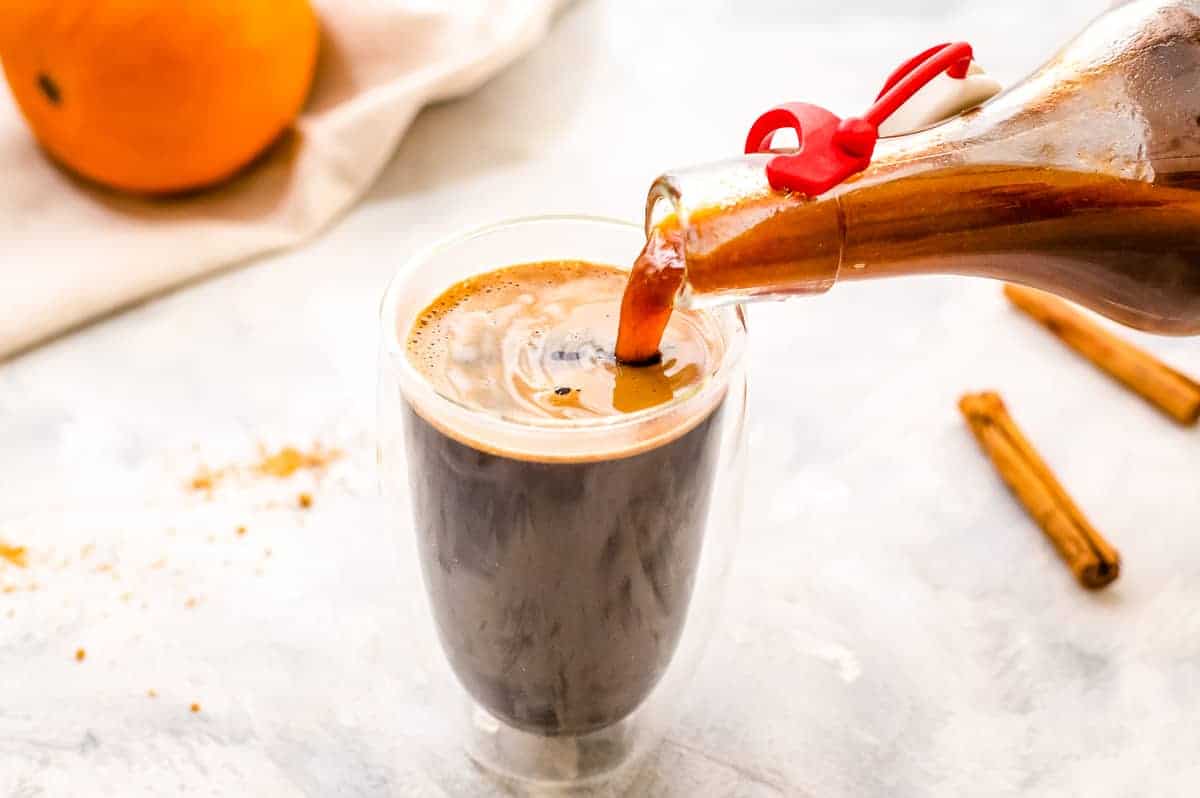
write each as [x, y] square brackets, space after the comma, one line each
[833, 149]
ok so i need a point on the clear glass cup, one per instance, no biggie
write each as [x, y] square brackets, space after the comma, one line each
[574, 569]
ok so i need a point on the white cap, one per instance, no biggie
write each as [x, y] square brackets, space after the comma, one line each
[940, 99]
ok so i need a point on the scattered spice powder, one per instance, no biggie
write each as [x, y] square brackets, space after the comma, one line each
[241, 530]
[195, 707]
[281, 464]
[289, 460]
[80, 655]
[305, 500]
[13, 554]
[206, 479]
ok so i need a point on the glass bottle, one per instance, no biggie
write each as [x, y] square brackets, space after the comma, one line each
[1083, 180]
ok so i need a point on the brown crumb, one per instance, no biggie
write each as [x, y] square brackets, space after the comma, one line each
[11, 588]
[13, 554]
[190, 603]
[205, 479]
[195, 707]
[152, 693]
[305, 500]
[103, 567]
[80, 655]
[86, 550]
[241, 530]
[159, 564]
[289, 460]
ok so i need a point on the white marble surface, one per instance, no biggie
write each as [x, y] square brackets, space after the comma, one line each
[895, 625]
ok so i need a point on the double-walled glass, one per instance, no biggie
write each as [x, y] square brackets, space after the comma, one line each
[573, 568]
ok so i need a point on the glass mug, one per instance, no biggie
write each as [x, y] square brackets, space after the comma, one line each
[573, 568]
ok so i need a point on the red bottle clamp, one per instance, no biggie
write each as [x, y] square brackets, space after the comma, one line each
[833, 149]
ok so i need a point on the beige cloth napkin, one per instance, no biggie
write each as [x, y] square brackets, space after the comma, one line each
[70, 252]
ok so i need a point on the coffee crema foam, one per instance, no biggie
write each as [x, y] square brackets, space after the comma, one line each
[534, 342]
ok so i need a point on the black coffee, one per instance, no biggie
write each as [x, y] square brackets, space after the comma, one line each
[559, 588]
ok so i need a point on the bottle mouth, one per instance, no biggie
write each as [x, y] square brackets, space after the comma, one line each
[663, 201]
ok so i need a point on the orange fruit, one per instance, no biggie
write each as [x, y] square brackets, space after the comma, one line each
[158, 96]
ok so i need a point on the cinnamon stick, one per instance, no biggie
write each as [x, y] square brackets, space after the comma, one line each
[1094, 562]
[1173, 393]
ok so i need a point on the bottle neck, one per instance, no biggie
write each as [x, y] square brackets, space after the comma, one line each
[743, 240]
